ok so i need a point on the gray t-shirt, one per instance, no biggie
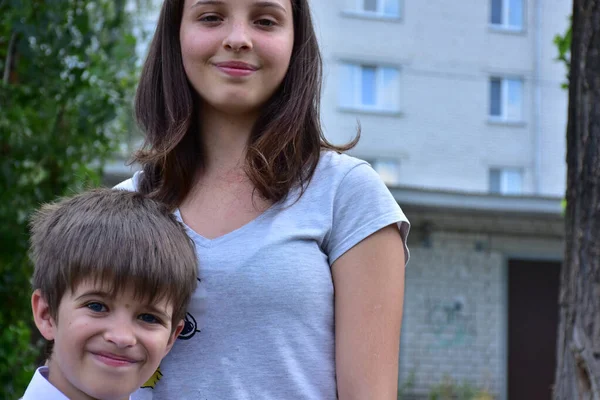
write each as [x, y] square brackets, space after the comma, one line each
[261, 324]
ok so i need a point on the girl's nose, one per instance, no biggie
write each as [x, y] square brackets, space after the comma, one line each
[238, 38]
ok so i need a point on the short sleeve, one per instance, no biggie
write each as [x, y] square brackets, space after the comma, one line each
[362, 206]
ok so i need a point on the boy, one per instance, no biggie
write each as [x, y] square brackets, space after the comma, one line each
[113, 275]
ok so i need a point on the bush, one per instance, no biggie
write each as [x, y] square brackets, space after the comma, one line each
[449, 390]
[67, 71]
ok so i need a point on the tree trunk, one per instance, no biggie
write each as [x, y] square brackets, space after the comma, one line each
[578, 347]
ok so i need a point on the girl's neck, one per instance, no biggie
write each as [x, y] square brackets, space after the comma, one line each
[225, 139]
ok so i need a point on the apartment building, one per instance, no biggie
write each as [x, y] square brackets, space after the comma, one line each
[451, 95]
[463, 115]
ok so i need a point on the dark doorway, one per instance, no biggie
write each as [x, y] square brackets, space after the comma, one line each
[532, 328]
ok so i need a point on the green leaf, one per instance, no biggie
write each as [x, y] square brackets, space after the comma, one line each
[563, 45]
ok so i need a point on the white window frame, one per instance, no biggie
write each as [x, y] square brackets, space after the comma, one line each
[359, 8]
[505, 19]
[357, 85]
[503, 117]
[388, 169]
[504, 180]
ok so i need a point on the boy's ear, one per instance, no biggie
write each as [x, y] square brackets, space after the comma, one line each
[174, 335]
[42, 315]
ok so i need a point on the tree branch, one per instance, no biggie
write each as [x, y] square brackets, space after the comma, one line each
[9, 57]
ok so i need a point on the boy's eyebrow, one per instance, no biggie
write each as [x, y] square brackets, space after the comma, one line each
[98, 293]
[153, 309]
[94, 293]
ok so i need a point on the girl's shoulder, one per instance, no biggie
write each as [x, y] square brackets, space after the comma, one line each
[357, 199]
[332, 168]
[337, 176]
[332, 164]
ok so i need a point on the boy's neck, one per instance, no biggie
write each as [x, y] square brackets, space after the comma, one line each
[58, 379]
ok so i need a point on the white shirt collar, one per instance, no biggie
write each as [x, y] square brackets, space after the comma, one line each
[41, 388]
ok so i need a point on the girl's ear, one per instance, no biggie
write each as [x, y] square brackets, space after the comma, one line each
[42, 315]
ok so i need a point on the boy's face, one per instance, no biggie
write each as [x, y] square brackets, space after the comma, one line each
[104, 347]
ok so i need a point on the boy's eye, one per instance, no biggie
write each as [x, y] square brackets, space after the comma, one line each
[96, 307]
[149, 318]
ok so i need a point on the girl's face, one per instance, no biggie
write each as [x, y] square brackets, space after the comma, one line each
[236, 52]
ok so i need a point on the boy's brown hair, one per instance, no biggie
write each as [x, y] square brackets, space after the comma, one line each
[120, 239]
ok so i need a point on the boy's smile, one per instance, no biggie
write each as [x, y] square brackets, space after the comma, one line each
[104, 347]
[113, 360]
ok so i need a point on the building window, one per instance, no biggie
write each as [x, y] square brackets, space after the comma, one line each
[388, 169]
[507, 14]
[506, 99]
[369, 87]
[507, 181]
[376, 8]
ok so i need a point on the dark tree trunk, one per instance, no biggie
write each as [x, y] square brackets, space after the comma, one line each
[578, 348]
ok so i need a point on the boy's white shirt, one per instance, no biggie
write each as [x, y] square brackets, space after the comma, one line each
[40, 388]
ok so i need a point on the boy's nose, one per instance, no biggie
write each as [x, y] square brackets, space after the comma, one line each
[121, 334]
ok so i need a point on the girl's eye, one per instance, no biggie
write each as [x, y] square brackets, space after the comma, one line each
[266, 22]
[96, 307]
[210, 18]
[149, 318]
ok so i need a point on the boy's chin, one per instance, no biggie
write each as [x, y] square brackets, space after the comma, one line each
[104, 391]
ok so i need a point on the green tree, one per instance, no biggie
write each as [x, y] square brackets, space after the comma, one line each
[578, 347]
[67, 72]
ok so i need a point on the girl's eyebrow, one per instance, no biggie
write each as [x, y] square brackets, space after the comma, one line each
[206, 2]
[260, 4]
[270, 4]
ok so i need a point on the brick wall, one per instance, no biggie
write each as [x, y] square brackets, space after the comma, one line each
[455, 316]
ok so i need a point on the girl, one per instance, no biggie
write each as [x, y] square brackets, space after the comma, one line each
[302, 249]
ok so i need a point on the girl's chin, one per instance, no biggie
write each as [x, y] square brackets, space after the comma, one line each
[236, 106]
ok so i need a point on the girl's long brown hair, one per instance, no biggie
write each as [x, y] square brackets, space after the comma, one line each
[286, 140]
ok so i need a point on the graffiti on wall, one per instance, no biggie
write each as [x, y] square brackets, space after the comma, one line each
[450, 321]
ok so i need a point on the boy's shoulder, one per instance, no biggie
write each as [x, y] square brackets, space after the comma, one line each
[40, 388]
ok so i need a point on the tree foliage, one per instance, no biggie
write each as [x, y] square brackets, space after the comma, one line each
[67, 70]
[563, 45]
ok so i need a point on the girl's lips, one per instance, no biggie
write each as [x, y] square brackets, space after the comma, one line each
[236, 71]
[236, 68]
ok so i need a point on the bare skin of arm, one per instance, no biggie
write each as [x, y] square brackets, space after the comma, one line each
[369, 294]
